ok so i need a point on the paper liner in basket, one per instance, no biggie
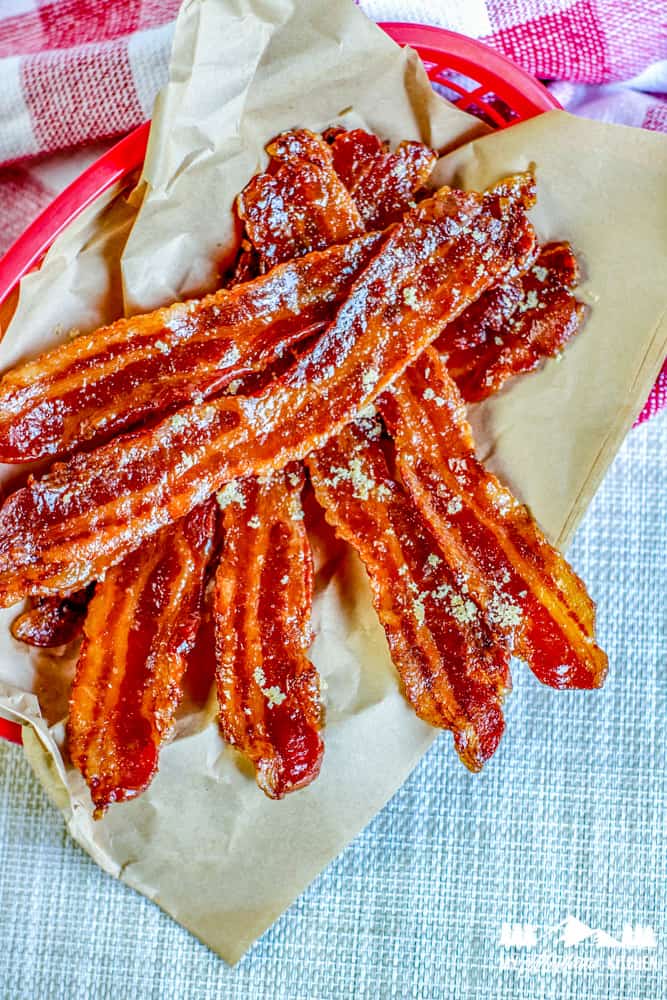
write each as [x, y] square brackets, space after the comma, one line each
[203, 841]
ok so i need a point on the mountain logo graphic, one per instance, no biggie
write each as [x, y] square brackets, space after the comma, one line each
[575, 931]
[572, 932]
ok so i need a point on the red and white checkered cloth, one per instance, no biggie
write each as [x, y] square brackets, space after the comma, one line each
[74, 73]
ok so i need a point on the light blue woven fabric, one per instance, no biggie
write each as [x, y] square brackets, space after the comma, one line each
[568, 821]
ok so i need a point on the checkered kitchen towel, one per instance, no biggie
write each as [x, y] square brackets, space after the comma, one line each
[75, 72]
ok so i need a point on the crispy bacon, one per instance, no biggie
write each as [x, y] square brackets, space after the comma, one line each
[199, 675]
[268, 691]
[246, 266]
[52, 621]
[453, 673]
[529, 592]
[382, 183]
[103, 382]
[510, 329]
[513, 326]
[480, 323]
[300, 201]
[141, 624]
[440, 649]
[61, 531]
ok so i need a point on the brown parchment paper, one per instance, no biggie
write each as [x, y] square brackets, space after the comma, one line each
[604, 188]
[203, 842]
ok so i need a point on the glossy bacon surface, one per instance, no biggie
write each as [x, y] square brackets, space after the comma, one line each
[61, 531]
[382, 183]
[299, 202]
[141, 624]
[268, 690]
[453, 673]
[477, 326]
[52, 621]
[246, 266]
[529, 592]
[101, 383]
[510, 329]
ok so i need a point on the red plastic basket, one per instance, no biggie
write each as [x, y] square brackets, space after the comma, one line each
[475, 77]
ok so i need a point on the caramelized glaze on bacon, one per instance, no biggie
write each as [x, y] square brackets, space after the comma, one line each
[103, 382]
[529, 592]
[141, 623]
[268, 691]
[61, 531]
[382, 183]
[52, 621]
[510, 329]
[453, 673]
[246, 266]
[299, 202]
[480, 323]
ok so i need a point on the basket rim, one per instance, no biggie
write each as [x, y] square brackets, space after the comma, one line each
[527, 96]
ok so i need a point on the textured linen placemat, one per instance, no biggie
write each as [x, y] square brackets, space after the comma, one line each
[559, 845]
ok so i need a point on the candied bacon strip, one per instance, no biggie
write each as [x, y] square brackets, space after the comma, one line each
[512, 326]
[142, 622]
[268, 690]
[453, 673]
[246, 266]
[106, 381]
[199, 674]
[300, 201]
[480, 323]
[61, 531]
[52, 621]
[442, 648]
[381, 183]
[517, 325]
[529, 592]
[286, 214]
